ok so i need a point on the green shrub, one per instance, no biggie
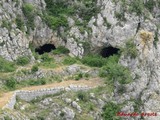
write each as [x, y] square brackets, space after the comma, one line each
[83, 96]
[113, 71]
[6, 24]
[6, 66]
[107, 23]
[117, 72]
[11, 83]
[34, 68]
[62, 114]
[69, 61]
[94, 60]
[110, 110]
[130, 49]
[57, 10]
[7, 118]
[20, 23]
[23, 60]
[56, 22]
[120, 16]
[46, 58]
[87, 9]
[137, 6]
[61, 50]
[40, 81]
[102, 73]
[29, 12]
[78, 76]
[121, 89]
[150, 5]
[50, 64]
[40, 118]
[86, 75]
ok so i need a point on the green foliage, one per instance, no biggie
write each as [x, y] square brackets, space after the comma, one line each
[83, 96]
[50, 64]
[46, 58]
[107, 23]
[20, 23]
[32, 48]
[137, 6]
[117, 72]
[40, 81]
[2, 43]
[120, 16]
[47, 61]
[11, 83]
[113, 71]
[7, 118]
[58, 10]
[121, 89]
[87, 9]
[34, 68]
[6, 24]
[130, 49]
[138, 103]
[110, 110]
[150, 5]
[78, 76]
[29, 12]
[6, 66]
[102, 73]
[69, 61]
[82, 29]
[94, 60]
[55, 22]
[61, 50]
[23, 60]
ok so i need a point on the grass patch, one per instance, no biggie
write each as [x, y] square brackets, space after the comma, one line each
[11, 83]
[29, 12]
[110, 110]
[31, 82]
[60, 50]
[83, 96]
[130, 49]
[34, 68]
[69, 60]
[23, 60]
[58, 10]
[6, 66]
[93, 60]
[20, 23]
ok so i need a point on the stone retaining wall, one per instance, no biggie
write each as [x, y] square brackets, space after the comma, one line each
[30, 95]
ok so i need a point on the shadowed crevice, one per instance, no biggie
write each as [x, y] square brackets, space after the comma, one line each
[45, 49]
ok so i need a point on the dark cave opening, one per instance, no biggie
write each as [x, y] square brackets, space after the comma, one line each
[45, 49]
[108, 51]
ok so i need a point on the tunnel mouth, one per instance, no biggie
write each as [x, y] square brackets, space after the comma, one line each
[45, 49]
[109, 51]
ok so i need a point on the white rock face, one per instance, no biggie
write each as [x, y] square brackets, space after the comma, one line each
[14, 42]
[69, 113]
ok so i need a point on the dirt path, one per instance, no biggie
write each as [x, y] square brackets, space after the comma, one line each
[5, 97]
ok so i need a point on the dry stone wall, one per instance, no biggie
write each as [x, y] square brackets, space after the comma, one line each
[30, 95]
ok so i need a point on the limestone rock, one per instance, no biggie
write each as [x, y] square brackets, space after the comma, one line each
[68, 113]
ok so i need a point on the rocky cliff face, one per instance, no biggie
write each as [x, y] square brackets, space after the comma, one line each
[114, 24]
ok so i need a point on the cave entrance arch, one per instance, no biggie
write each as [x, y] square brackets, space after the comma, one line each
[45, 49]
[109, 51]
